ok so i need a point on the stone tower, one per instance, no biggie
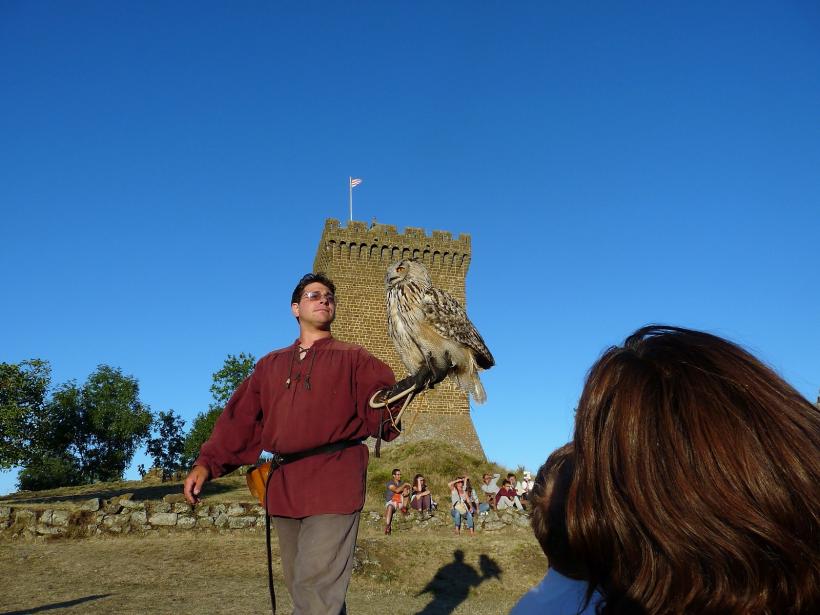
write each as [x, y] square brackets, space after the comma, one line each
[356, 259]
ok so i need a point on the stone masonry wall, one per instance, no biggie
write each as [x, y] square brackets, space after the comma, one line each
[356, 259]
[121, 515]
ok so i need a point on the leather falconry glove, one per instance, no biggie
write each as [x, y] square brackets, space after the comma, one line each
[398, 391]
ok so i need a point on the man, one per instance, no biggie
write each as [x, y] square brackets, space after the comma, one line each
[516, 486]
[397, 496]
[523, 490]
[311, 395]
[512, 479]
[490, 488]
[507, 497]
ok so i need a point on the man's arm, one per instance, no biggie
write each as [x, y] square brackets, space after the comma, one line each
[398, 489]
[371, 377]
[236, 439]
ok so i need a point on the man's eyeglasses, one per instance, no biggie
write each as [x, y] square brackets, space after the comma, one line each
[316, 295]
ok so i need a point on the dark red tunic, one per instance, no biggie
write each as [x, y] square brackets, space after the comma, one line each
[264, 413]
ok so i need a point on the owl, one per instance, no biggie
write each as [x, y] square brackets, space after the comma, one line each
[431, 331]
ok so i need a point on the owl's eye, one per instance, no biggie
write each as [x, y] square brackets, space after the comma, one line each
[399, 269]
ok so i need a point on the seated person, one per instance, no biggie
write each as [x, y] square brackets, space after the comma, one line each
[517, 487]
[397, 497]
[507, 497]
[563, 589]
[489, 487]
[523, 489]
[462, 508]
[471, 495]
[421, 498]
[695, 480]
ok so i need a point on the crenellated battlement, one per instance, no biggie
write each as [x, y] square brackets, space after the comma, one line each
[383, 243]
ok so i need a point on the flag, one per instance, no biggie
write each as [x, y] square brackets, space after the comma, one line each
[354, 182]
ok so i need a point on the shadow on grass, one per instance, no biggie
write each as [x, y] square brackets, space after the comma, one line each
[56, 605]
[451, 584]
[106, 492]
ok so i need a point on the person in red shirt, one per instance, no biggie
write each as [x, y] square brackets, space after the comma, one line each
[507, 497]
[313, 394]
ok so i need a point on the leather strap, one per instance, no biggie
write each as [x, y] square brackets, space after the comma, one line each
[325, 448]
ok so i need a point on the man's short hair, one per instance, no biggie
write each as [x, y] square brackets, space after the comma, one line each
[310, 278]
[510, 475]
[505, 482]
[395, 471]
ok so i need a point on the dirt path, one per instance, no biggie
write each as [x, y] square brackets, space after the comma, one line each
[203, 573]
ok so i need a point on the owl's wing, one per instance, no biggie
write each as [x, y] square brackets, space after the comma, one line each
[450, 320]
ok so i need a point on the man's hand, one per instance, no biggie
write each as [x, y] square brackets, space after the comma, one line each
[193, 483]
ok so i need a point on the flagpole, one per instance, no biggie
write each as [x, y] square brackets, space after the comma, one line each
[350, 192]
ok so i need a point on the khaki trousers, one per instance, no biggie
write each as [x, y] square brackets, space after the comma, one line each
[317, 561]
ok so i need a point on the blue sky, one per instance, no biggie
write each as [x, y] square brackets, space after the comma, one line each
[166, 170]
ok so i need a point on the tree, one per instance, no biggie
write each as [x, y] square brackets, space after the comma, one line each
[115, 422]
[225, 381]
[48, 472]
[234, 370]
[166, 446]
[23, 389]
[201, 430]
[89, 433]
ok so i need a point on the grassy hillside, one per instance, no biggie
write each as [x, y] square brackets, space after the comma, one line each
[439, 461]
[423, 569]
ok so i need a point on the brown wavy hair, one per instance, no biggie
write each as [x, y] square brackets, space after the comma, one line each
[549, 503]
[695, 488]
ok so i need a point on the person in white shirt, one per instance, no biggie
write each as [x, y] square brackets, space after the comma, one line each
[489, 485]
[523, 489]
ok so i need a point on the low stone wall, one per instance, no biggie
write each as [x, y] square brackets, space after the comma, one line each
[122, 515]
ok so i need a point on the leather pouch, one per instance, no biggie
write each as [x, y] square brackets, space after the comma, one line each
[257, 477]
